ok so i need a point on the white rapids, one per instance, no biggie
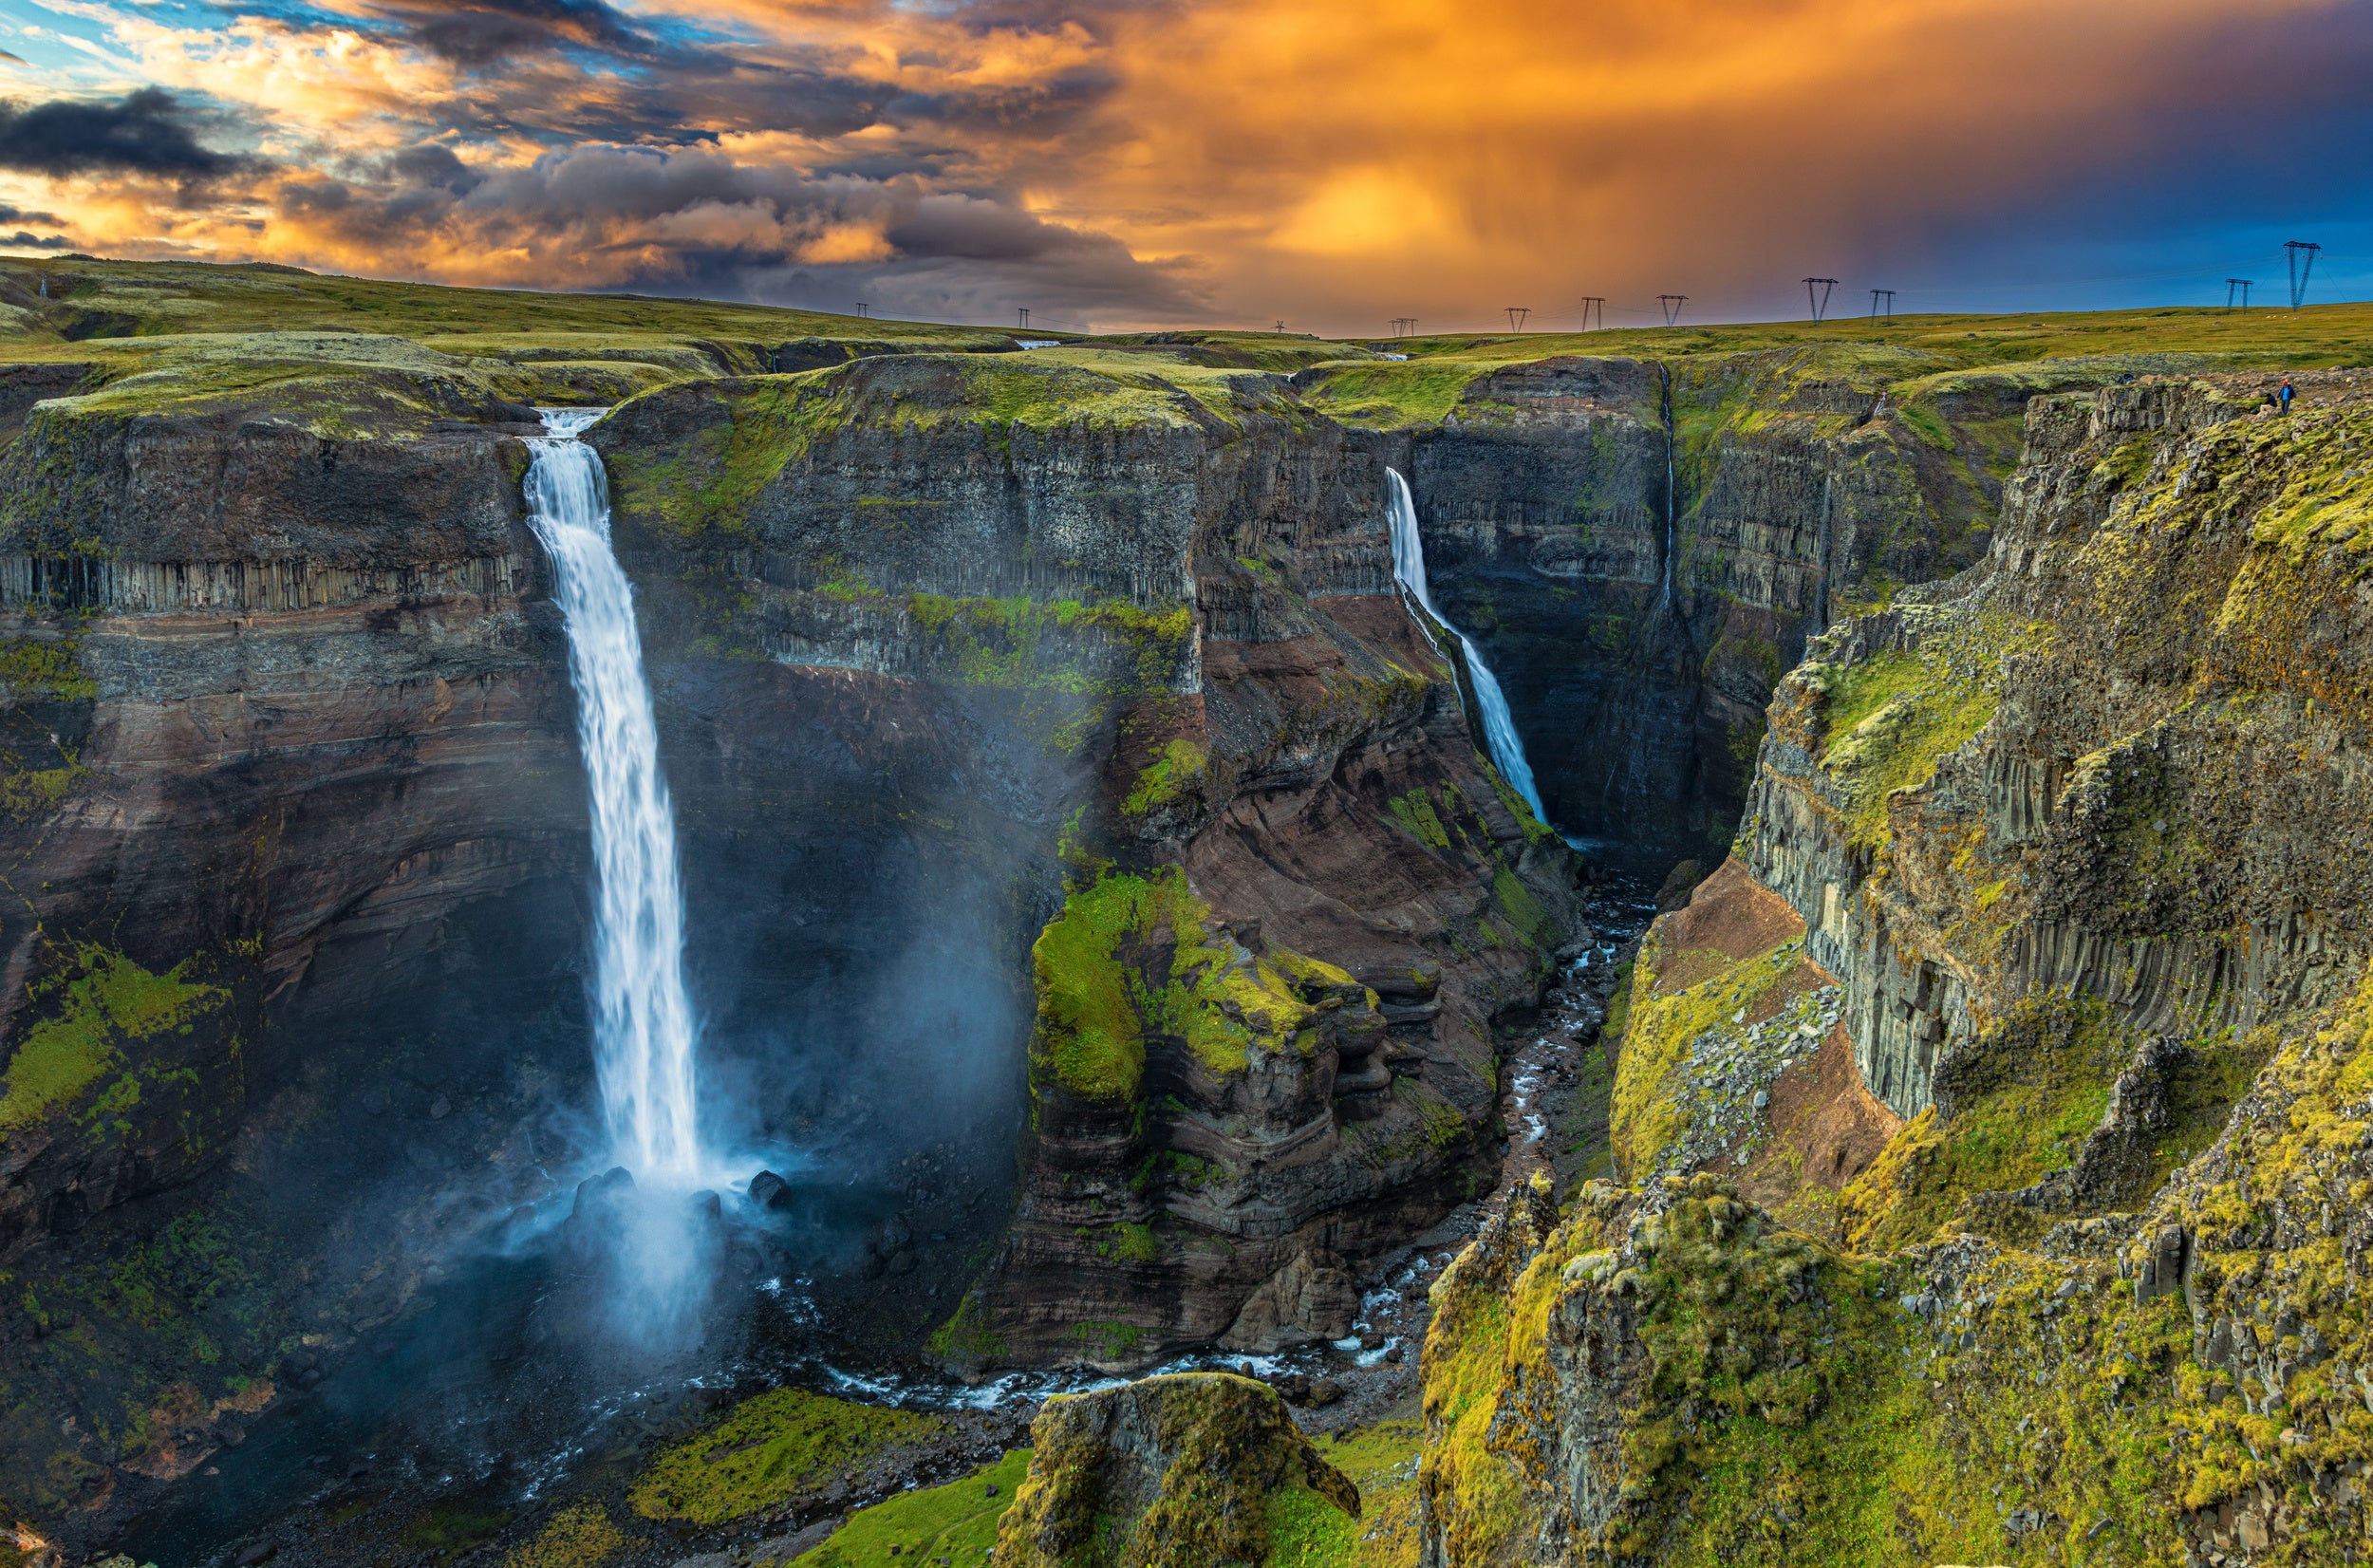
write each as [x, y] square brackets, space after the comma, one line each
[1408, 565]
[644, 1037]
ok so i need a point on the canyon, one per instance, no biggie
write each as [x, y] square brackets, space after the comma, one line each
[1108, 927]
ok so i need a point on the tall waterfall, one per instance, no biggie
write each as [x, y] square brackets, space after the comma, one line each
[642, 1018]
[1408, 565]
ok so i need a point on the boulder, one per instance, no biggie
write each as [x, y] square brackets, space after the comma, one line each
[1184, 1465]
[1309, 1299]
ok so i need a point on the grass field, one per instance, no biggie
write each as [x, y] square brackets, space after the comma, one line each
[187, 321]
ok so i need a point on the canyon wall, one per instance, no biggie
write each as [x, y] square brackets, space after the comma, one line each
[1271, 896]
[1641, 549]
[2065, 853]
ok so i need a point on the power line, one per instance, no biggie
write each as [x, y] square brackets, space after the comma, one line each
[1671, 303]
[1821, 304]
[2293, 249]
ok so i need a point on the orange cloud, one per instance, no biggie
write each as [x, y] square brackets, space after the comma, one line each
[1334, 161]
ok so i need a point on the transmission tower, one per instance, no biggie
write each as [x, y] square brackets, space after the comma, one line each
[1594, 304]
[1819, 303]
[1025, 318]
[1671, 303]
[862, 309]
[2301, 255]
[1516, 316]
[1404, 326]
[1877, 294]
[2237, 284]
[1280, 325]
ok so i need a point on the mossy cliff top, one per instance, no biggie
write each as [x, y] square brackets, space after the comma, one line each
[1195, 1470]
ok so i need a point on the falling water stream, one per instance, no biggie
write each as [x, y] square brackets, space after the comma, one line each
[642, 1018]
[1408, 566]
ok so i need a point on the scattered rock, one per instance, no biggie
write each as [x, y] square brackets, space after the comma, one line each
[770, 1191]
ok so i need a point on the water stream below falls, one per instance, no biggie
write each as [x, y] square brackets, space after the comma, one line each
[1498, 725]
[644, 1029]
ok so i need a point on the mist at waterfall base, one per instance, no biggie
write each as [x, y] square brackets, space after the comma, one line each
[1498, 725]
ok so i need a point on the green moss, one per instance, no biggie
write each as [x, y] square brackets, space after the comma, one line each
[43, 667]
[1227, 1448]
[957, 1521]
[1129, 956]
[1532, 922]
[1135, 1244]
[1416, 813]
[96, 1011]
[580, 1536]
[1888, 720]
[965, 1337]
[710, 485]
[2025, 1095]
[770, 1450]
[1177, 769]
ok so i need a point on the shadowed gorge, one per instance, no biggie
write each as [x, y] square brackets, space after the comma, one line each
[1013, 869]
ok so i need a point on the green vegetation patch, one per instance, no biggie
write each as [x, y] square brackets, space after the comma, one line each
[1890, 718]
[580, 1536]
[1130, 957]
[98, 1009]
[1650, 1105]
[771, 1449]
[709, 484]
[2024, 1096]
[1175, 770]
[957, 1521]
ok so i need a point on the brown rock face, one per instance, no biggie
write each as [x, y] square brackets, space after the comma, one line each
[1309, 1299]
[1184, 1466]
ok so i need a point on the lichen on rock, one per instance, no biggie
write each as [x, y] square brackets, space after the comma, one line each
[1177, 1471]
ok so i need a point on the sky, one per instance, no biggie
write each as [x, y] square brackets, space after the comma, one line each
[1122, 164]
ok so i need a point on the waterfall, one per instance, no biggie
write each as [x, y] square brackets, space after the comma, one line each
[1671, 520]
[642, 1018]
[1409, 567]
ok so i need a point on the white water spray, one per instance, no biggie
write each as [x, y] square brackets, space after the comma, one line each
[643, 1034]
[1408, 566]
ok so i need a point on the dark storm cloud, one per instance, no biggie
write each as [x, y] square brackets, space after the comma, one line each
[149, 132]
[18, 214]
[486, 33]
[24, 241]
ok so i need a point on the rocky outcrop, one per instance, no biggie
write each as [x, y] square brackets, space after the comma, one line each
[1187, 1468]
[2102, 958]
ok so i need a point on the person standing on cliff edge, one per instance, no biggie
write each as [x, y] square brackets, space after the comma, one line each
[2286, 393]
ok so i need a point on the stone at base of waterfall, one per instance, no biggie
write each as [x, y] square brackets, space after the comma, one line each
[1308, 1301]
[600, 1198]
[1185, 1465]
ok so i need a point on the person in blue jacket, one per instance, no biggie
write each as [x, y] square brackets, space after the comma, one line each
[2286, 393]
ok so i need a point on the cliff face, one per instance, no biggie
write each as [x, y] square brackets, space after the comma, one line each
[288, 756]
[1271, 896]
[2074, 847]
[1641, 549]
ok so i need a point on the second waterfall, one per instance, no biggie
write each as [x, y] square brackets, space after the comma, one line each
[644, 1029]
[1498, 725]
